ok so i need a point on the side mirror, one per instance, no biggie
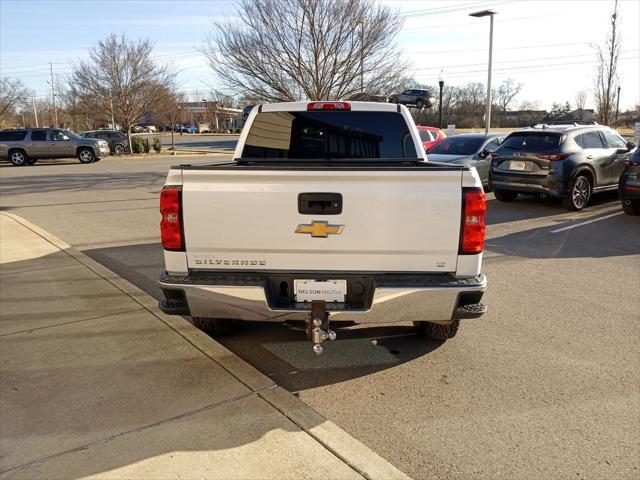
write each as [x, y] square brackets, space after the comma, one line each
[65, 138]
[630, 146]
[484, 153]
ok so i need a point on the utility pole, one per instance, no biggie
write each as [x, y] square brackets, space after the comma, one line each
[617, 105]
[361, 57]
[35, 111]
[53, 96]
[113, 121]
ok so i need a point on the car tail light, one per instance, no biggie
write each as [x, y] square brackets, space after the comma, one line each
[171, 230]
[474, 208]
[554, 157]
[328, 106]
[631, 163]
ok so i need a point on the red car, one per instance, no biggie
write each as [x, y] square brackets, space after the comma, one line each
[430, 135]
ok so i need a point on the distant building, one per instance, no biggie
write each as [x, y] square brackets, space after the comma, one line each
[584, 114]
[215, 114]
[520, 118]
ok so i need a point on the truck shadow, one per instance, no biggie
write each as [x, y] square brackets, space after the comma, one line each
[528, 207]
[282, 351]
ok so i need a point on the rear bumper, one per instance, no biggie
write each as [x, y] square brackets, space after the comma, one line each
[384, 298]
[551, 185]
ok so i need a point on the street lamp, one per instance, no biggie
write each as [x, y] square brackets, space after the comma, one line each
[490, 14]
[441, 83]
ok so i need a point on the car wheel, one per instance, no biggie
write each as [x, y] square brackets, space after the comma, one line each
[505, 195]
[86, 155]
[579, 194]
[216, 327]
[631, 207]
[436, 331]
[419, 104]
[18, 158]
[118, 150]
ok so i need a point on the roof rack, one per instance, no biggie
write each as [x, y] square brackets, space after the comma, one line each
[563, 124]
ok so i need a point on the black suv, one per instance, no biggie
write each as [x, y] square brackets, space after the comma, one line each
[419, 98]
[629, 185]
[564, 161]
[117, 140]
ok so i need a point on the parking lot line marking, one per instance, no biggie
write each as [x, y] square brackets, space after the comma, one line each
[558, 230]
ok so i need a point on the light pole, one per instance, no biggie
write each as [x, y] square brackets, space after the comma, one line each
[441, 83]
[490, 14]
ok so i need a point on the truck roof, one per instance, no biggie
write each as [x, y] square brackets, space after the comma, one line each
[354, 106]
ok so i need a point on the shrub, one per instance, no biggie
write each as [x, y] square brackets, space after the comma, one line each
[137, 144]
[147, 147]
[157, 146]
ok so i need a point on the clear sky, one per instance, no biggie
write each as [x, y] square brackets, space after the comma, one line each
[545, 44]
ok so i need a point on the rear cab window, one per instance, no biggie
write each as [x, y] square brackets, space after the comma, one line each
[532, 141]
[324, 135]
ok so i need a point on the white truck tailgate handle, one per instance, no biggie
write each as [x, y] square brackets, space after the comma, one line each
[320, 203]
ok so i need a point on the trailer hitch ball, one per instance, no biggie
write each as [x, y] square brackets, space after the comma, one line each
[318, 326]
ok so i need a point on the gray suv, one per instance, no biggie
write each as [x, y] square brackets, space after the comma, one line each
[419, 98]
[26, 146]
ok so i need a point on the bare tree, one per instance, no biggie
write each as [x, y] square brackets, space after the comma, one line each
[13, 94]
[123, 78]
[580, 100]
[170, 109]
[505, 93]
[289, 50]
[606, 77]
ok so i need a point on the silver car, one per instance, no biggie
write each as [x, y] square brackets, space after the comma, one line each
[26, 146]
[471, 149]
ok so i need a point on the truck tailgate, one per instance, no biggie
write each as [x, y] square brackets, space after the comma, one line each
[400, 220]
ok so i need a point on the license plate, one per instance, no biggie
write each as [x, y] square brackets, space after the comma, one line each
[515, 165]
[327, 290]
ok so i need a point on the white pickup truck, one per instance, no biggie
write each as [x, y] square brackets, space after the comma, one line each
[329, 211]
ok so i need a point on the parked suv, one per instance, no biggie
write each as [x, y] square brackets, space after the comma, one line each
[117, 140]
[570, 162]
[629, 185]
[26, 146]
[419, 98]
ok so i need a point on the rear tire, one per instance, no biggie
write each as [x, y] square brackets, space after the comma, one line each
[86, 155]
[579, 194]
[632, 208]
[216, 327]
[119, 150]
[435, 331]
[18, 158]
[505, 195]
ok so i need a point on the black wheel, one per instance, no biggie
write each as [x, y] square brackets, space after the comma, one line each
[216, 327]
[18, 158]
[505, 195]
[579, 194]
[119, 149]
[435, 331]
[419, 104]
[631, 207]
[86, 155]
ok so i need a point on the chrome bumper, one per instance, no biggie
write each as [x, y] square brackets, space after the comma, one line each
[408, 300]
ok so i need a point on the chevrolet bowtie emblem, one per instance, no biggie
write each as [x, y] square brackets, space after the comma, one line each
[320, 229]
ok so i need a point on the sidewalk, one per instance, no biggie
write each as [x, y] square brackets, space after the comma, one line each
[96, 382]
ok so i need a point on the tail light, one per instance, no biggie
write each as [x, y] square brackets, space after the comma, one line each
[474, 208]
[554, 157]
[171, 229]
[328, 106]
[631, 163]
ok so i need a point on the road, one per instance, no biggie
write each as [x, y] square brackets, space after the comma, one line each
[196, 142]
[546, 385]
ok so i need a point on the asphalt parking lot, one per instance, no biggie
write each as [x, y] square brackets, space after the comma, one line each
[546, 385]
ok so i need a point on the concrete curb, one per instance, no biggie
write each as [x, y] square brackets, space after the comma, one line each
[352, 452]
